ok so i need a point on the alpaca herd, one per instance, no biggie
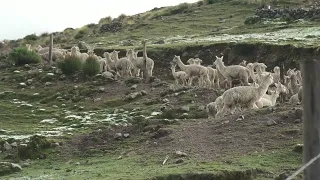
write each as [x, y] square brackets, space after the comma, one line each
[257, 87]
[110, 65]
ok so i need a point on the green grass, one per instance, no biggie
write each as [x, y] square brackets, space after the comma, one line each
[146, 166]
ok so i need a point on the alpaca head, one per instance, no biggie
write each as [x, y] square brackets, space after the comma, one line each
[74, 51]
[262, 66]
[250, 66]
[115, 54]
[281, 88]
[276, 70]
[130, 52]
[173, 66]
[176, 59]
[267, 79]
[197, 61]
[218, 60]
[190, 61]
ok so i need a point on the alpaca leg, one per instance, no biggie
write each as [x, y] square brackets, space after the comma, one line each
[229, 82]
[190, 81]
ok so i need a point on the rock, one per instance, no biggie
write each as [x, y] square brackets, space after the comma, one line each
[271, 122]
[50, 74]
[107, 75]
[143, 93]
[22, 84]
[118, 136]
[201, 108]
[7, 146]
[116, 111]
[162, 132]
[155, 113]
[282, 176]
[181, 154]
[298, 148]
[102, 89]
[159, 42]
[134, 87]
[16, 71]
[48, 83]
[165, 100]
[97, 99]
[77, 163]
[126, 135]
[9, 168]
[14, 144]
[297, 121]
[185, 109]
[179, 161]
[240, 118]
[36, 94]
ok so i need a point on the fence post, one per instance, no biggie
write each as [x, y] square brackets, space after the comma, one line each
[311, 117]
[50, 48]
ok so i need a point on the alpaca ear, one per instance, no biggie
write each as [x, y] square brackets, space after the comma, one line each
[221, 57]
[217, 57]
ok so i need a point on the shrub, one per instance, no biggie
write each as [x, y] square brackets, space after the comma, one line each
[70, 65]
[45, 34]
[31, 37]
[91, 67]
[79, 35]
[181, 8]
[252, 20]
[106, 20]
[22, 56]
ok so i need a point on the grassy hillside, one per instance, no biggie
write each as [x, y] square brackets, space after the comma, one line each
[170, 24]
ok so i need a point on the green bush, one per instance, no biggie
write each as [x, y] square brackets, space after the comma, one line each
[252, 20]
[22, 56]
[91, 67]
[31, 37]
[70, 65]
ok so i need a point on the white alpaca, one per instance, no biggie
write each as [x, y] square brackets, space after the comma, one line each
[192, 71]
[232, 72]
[244, 96]
[276, 74]
[179, 76]
[212, 73]
[259, 66]
[111, 64]
[123, 65]
[255, 77]
[214, 107]
[29, 47]
[269, 101]
[56, 55]
[138, 62]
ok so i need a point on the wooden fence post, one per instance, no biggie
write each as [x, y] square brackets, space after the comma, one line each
[50, 48]
[311, 117]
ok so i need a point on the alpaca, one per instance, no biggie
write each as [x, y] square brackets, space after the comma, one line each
[244, 96]
[253, 76]
[259, 66]
[138, 62]
[214, 107]
[296, 98]
[193, 71]
[180, 75]
[111, 64]
[56, 55]
[276, 74]
[294, 86]
[268, 102]
[232, 72]
[212, 73]
[42, 50]
[122, 65]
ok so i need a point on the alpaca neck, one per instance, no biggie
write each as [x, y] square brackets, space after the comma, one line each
[274, 98]
[262, 89]
[173, 71]
[181, 65]
[145, 56]
[221, 67]
[252, 74]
